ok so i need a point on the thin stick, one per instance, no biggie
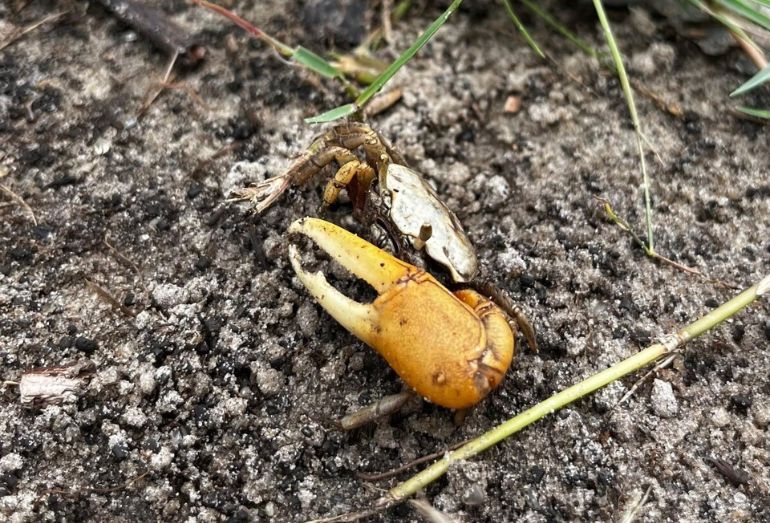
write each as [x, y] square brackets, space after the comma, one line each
[105, 295]
[406, 466]
[18, 33]
[644, 378]
[281, 48]
[95, 490]
[21, 202]
[623, 224]
[754, 53]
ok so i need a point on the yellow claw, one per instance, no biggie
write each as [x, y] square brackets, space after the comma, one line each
[450, 348]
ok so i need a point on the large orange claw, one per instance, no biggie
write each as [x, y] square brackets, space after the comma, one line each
[450, 348]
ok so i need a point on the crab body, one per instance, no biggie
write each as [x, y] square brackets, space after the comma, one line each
[413, 207]
[398, 196]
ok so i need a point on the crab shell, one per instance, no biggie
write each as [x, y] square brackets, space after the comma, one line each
[413, 205]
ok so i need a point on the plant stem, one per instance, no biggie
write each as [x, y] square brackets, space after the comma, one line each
[627, 91]
[573, 393]
[523, 30]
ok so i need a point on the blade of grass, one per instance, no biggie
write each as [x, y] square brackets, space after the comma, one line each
[392, 69]
[755, 81]
[522, 29]
[333, 114]
[627, 91]
[561, 29]
[301, 55]
[746, 11]
[757, 113]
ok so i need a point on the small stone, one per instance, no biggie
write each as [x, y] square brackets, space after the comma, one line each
[11, 462]
[167, 295]
[270, 381]
[147, 382]
[307, 319]
[86, 345]
[663, 400]
[134, 417]
[512, 105]
[474, 496]
[760, 411]
[720, 417]
[162, 459]
[497, 191]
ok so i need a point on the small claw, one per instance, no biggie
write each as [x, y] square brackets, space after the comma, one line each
[264, 194]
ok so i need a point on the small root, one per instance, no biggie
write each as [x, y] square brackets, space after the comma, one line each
[403, 468]
[21, 202]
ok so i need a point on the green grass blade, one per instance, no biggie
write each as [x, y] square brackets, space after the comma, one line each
[376, 85]
[561, 29]
[629, 94]
[315, 63]
[746, 11]
[522, 29]
[334, 114]
[757, 113]
[755, 81]
[407, 55]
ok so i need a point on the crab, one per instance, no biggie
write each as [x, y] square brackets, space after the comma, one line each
[452, 348]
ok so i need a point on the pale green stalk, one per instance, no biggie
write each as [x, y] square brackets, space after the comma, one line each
[522, 29]
[626, 86]
[572, 394]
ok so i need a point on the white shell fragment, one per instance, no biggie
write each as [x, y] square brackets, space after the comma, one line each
[53, 384]
[415, 204]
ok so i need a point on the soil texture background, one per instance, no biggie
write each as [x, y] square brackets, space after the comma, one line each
[218, 379]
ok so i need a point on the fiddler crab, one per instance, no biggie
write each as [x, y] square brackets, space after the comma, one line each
[451, 348]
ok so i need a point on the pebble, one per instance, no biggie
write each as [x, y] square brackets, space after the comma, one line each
[270, 381]
[167, 295]
[760, 411]
[161, 459]
[720, 417]
[664, 403]
[307, 319]
[134, 417]
[11, 462]
[147, 382]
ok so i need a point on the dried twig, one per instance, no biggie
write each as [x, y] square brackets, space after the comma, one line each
[406, 466]
[21, 202]
[106, 296]
[21, 31]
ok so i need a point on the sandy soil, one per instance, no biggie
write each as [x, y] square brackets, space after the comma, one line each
[218, 379]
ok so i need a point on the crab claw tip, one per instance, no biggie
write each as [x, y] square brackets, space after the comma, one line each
[378, 268]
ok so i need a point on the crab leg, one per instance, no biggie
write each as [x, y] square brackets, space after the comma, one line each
[264, 194]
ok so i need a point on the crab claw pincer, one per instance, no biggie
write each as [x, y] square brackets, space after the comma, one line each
[452, 349]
